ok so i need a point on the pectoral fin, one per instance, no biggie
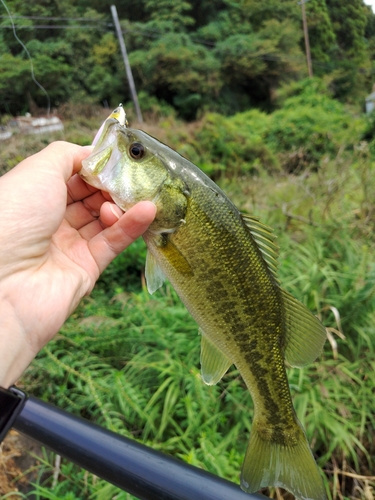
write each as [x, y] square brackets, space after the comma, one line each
[175, 257]
[214, 364]
[154, 275]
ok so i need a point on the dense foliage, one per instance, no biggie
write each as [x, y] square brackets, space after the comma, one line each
[222, 55]
[130, 361]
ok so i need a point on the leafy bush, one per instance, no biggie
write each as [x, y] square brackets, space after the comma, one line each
[311, 127]
[233, 145]
[153, 109]
[307, 131]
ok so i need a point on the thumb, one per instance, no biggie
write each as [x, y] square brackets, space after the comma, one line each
[105, 246]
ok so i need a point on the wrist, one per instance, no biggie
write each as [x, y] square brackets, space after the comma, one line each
[14, 352]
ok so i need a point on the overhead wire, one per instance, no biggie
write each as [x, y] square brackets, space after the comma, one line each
[155, 33]
[29, 57]
[54, 18]
[148, 32]
[54, 27]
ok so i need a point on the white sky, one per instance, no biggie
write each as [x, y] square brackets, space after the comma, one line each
[370, 2]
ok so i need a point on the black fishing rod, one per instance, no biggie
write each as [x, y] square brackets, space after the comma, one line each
[131, 466]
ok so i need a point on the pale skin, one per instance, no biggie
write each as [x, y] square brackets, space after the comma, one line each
[57, 234]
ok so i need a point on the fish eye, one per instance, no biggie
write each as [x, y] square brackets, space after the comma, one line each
[137, 150]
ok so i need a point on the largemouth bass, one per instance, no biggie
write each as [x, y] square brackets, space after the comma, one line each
[223, 266]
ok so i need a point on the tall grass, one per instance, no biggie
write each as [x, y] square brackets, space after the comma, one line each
[130, 361]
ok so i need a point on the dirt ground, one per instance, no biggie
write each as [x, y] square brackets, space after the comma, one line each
[18, 457]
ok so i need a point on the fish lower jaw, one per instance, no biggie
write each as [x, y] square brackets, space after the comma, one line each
[92, 180]
[124, 205]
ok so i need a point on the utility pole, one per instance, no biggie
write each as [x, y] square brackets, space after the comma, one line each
[306, 33]
[128, 69]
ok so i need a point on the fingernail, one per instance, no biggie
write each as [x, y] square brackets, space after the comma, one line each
[115, 210]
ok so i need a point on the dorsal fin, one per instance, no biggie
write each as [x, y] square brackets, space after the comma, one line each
[305, 334]
[265, 239]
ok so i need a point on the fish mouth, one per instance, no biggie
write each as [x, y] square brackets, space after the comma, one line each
[119, 115]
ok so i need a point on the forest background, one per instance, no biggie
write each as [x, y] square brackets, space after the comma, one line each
[219, 55]
[224, 83]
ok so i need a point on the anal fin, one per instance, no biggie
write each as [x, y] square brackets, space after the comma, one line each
[214, 364]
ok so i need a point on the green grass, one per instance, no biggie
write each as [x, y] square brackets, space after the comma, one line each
[130, 361]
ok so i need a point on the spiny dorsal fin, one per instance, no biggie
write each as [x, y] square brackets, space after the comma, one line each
[305, 335]
[265, 239]
[214, 364]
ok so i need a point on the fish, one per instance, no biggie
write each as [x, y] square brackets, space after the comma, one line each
[223, 265]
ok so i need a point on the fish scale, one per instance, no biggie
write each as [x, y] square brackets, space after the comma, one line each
[223, 266]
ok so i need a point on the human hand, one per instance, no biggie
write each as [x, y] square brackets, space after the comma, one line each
[57, 234]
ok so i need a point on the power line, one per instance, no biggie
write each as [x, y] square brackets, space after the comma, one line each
[48, 18]
[29, 57]
[150, 33]
[55, 27]
[144, 31]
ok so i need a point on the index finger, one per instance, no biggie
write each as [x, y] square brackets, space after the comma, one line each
[78, 189]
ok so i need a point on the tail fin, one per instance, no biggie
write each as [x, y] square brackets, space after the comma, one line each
[268, 463]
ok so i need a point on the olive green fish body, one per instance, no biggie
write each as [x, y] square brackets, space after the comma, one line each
[225, 294]
[239, 306]
[223, 266]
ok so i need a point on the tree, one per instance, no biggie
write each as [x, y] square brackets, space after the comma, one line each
[173, 11]
[351, 69]
[179, 72]
[321, 34]
[222, 55]
[259, 62]
[66, 61]
[349, 23]
[14, 74]
[259, 12]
